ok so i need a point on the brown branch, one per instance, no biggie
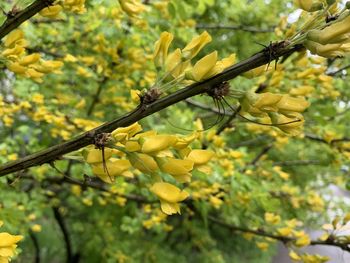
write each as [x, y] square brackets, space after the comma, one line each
[236, 27]
[334, 73]
[60, 220]
[96, 97]
[319, 139]
[264, 151]
[35, 241]
[13, 21]
[297, 162]
[283, 239]
[55, 152]
[93, 184]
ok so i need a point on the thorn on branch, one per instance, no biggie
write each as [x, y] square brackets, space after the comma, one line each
[150, 96]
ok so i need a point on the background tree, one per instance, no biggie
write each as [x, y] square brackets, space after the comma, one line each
[103, 146]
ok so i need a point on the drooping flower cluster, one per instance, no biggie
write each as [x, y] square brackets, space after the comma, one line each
[177, 65]
[30, 66]
[283, 111]
[151, 154]
[8, 244]
[327, 40]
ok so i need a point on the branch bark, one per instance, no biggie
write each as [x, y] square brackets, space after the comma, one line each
[283, 239]
[13, 21]
[55, 152]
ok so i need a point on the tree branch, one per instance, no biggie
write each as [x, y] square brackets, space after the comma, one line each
[338, 71]
[13, 21]
[36, 246]
[236, 27]
[283, 239]
[96, 96]
[62, 225]
[55, 152]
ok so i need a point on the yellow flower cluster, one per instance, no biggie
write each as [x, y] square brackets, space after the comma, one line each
[30, 66]
[150, 153]
[212, 192]
[331, 41]
[8, 244]
[283, 111]
[177, 65]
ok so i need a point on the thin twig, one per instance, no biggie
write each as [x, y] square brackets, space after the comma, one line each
[297, 163]
[12, 22]
[283, 239]
[60, 220]
[338, 71]
[236, 27]
[96, 97]
[36, 246]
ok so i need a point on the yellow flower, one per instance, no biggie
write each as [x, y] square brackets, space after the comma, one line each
[265, 102]
[7, 245]
[327, 51]
[30, 59]
[114, 168]
[36, 228]
[132, 7]
[271, 218]
[92, 155]
[174, 63]
[302, 90]
[13, 37]
[291, 126]
[215, 201]
[196, 44]
[303, 240]
[122, 134]
[179, 169]
[51, 11]
[15, 51]
[201, 69]
[262, 245]
[16, 68]
[183, 142]
[221, 65]
[289, 105]
[169, 196]
[285, 231]
[47, 66]
[334, 33]
[200, 157]
[143, 162]
[156, 143]
[294, 256]
[161, 48]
